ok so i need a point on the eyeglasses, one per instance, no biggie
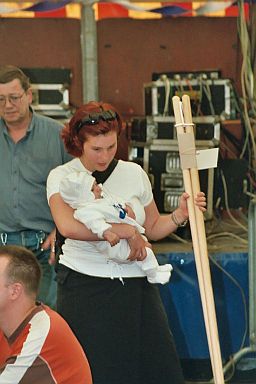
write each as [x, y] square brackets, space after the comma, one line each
[13, 99]
[95, 119]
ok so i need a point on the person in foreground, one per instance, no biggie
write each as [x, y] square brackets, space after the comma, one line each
[30, 146]
[123, 327]
[36, 344]
[96, 209]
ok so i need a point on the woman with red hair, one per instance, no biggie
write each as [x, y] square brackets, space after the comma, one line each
[121, 323]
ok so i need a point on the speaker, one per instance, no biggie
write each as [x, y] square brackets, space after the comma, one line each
[229, 179]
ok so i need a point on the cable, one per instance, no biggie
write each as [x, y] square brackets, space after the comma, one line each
[234, 281]
[247, 78]
[200, 82]
[178, 238]
[226, 202]
[228, 234]
[167, 86]
[208, 94]
[232, 138]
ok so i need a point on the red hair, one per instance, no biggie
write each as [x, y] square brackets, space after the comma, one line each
[75, 133]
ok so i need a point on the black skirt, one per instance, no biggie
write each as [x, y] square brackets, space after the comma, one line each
[123, 328]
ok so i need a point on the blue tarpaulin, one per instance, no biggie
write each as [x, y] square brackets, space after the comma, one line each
[181, 298]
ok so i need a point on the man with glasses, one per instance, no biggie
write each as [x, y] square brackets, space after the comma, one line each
[30, 146]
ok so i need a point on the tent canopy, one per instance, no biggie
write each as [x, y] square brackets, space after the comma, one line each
[120, 8]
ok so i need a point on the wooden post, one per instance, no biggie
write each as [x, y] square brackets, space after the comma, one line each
[186, 141]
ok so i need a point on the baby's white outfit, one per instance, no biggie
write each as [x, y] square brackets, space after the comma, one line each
[97, 214]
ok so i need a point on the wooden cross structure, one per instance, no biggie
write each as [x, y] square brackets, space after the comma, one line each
[187, 150]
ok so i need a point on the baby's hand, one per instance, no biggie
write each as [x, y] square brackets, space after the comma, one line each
[111, 237]
[130, 211]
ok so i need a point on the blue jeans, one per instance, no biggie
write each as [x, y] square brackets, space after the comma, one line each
[33, 240]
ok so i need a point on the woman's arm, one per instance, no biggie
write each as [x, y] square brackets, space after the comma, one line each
[70, 228]
[159, 226]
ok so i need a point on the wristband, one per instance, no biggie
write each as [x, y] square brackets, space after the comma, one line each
[176, 222]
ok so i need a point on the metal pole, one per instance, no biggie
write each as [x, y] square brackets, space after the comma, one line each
[89, 52]
[252, 273]
[252, 31]
[252, 288]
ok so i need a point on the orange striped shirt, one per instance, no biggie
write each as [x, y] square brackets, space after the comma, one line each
[43, 350]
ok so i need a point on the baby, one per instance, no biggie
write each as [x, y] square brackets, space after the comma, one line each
[96, 210]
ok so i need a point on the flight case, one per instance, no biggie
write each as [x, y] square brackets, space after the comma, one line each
[161, 161]
[207, 97]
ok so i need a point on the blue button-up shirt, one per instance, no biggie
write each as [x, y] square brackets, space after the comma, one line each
[24, 167]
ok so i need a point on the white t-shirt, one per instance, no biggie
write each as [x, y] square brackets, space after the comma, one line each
[129, 181]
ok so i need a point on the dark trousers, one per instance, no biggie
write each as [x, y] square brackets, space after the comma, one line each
[122, 328]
